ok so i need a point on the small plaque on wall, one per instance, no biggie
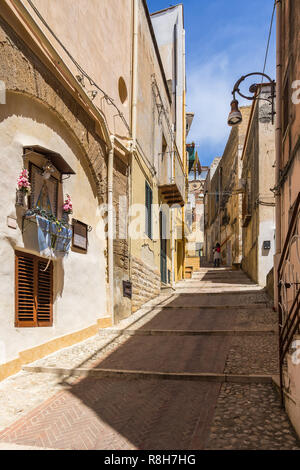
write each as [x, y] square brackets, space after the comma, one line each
[127, 289]
[80, 235]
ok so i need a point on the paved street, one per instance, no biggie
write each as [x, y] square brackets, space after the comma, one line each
[193, 369]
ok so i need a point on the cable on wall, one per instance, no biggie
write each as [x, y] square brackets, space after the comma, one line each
[109, 100]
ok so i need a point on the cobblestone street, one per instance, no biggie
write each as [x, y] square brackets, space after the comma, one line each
[193, 369]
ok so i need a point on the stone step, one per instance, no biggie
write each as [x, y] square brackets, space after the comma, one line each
[157, 332]
[141, 374]
[260, 305]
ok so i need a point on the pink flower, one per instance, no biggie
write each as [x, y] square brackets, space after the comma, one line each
[23, 182]
[67, 206]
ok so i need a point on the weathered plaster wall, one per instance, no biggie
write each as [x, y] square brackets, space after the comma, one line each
[151, 127]
[258, 175]
[290, 168]
[98, 34]
[22, 72]
[230, 167]
[121, 245]
[168, 25]
[78, 271]
[39, 112]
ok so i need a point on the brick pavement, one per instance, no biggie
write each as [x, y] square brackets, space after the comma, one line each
[124, 413]
[119, 414]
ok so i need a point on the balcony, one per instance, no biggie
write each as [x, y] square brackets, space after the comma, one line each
[171, 178]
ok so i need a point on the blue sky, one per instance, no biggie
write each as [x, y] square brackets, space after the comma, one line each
[225, 39]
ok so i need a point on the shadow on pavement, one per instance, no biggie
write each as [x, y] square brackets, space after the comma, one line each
[124, 413]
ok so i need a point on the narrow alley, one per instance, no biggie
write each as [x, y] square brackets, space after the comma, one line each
[196, 368]
[150, 226]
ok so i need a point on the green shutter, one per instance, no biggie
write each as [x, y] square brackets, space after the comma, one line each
[148, 215]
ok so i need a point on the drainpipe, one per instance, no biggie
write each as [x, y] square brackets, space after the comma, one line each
[278, 131]
[134, 70]
[278, 144]
[110, 174]
[134, 91]
[172, 248]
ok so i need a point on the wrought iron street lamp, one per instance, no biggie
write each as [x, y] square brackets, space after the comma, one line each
[235, 115]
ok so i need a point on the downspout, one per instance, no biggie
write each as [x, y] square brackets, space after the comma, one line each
[184, 156]
[134, 71]
[110, 174]
[278, 144]
[278, 131]
[172, 211]
[172, 248]
[133, 112]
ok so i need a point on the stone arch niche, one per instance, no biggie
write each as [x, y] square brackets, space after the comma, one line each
[24, 122]
[24, 74]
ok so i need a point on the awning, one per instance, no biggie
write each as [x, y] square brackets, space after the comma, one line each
[55, 158]
[191, 151]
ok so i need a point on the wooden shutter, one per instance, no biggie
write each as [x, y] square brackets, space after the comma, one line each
[148, 211]
[34, 299]
[25, 299]
[44, 292]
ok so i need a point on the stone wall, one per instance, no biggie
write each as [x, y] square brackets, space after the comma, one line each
[23, 72]
[122, 305]
[145, 283]
[40, 111]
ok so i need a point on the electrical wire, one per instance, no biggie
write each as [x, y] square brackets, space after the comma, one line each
[269, 37]
[79, 68]
[268, 43]
[198, 144]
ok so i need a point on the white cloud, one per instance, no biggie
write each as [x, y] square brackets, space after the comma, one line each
[209, 96]
[209, 93]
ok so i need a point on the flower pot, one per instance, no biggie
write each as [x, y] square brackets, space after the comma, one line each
[65, 217]
[20, 197]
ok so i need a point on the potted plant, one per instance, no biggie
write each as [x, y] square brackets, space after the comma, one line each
[67, 208]
[23, 188]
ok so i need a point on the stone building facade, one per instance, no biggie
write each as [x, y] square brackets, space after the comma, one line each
[159, 158]
[211, 219]
[287, 190]
[101, 124]
[40, 119]
[258, 179]
[225, 200]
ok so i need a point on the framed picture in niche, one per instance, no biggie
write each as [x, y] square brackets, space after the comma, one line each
[43, 192]
[80, 235]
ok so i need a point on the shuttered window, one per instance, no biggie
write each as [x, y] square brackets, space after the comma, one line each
[148, 197]
[34, 299]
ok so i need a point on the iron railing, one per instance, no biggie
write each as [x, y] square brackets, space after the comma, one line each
[289, 288]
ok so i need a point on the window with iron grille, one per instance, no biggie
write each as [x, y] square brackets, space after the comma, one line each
[33, 290]
[148, 203]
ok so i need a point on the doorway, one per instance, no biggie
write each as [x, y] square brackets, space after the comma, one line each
[163, 247]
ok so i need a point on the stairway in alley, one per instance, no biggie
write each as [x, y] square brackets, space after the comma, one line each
[194, 369]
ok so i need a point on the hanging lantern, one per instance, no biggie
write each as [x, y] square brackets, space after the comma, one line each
[235, 115]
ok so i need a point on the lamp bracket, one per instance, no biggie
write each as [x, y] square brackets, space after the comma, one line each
[253, 89]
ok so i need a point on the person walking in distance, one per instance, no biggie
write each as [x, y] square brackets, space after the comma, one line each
[217, 255]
